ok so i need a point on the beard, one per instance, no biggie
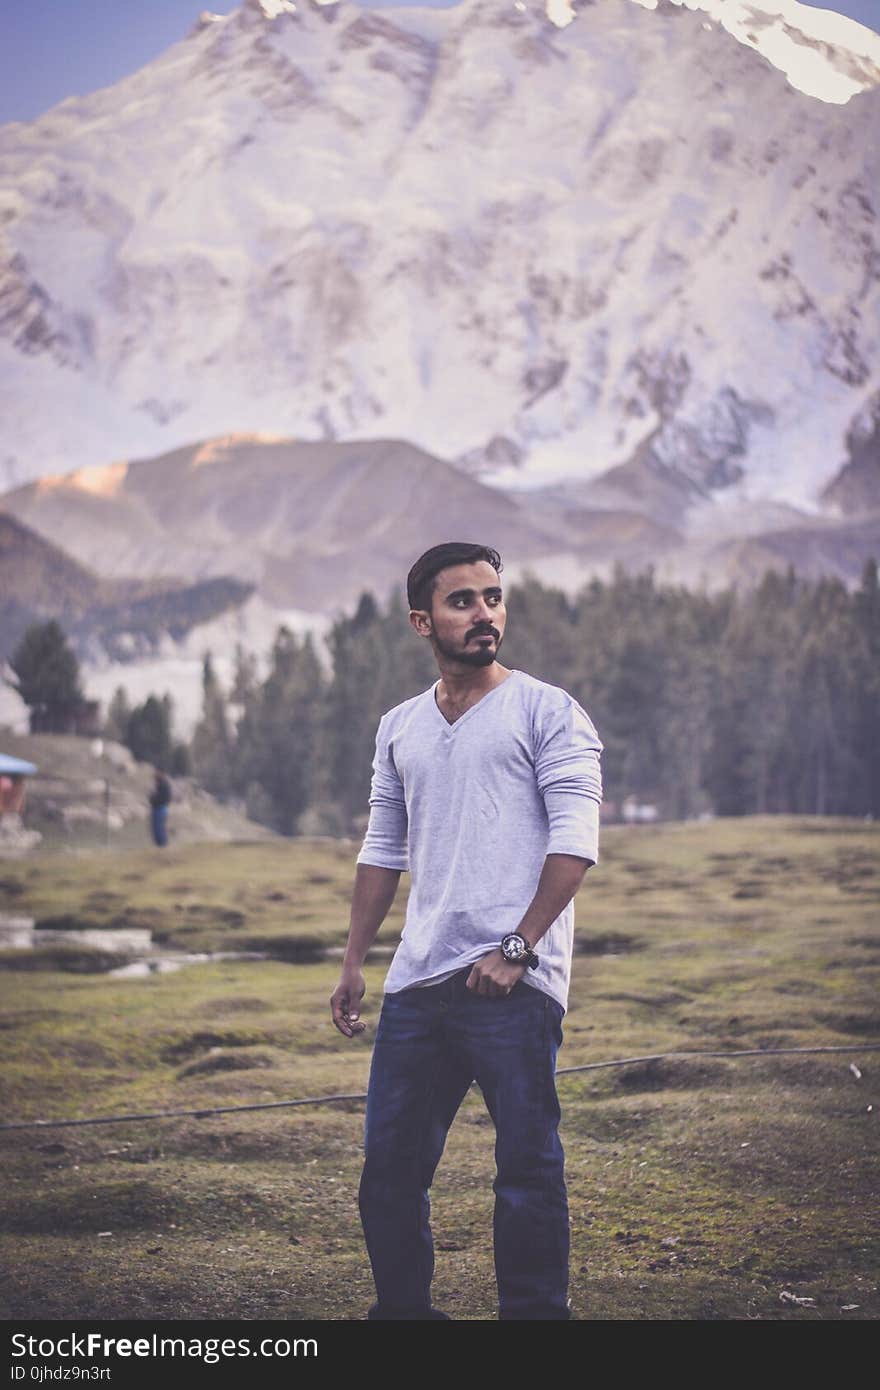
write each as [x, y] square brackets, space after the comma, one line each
[476, 656]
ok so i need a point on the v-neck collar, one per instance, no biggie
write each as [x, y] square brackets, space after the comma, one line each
[456, 723]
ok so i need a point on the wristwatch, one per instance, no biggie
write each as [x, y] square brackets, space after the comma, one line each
[517, 950]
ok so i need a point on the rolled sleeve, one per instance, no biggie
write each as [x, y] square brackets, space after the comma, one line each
[385, 843]
[569, 775]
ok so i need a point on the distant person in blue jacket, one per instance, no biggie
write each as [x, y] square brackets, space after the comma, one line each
[160, 798]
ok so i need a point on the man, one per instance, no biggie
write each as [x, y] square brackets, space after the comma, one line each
[160, 799]
[487, 787]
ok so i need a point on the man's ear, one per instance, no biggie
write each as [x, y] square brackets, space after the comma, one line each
[420, 621]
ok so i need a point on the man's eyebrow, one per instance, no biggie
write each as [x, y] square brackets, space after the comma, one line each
[469, 593]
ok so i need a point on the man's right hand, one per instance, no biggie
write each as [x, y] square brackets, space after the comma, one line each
[345, 1003]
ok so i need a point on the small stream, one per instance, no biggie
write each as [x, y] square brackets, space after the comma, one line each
[20, 933]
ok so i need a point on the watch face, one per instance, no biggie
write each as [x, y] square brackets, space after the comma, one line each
[513, 947]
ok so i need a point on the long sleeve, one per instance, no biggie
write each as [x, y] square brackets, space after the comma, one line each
[568, 771]
[385, 843]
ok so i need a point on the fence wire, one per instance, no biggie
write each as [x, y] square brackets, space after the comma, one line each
[202, 1113]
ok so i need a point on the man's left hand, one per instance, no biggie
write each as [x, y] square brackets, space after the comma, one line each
[493, 976]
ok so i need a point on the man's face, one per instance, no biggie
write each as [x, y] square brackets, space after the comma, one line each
[467, 618]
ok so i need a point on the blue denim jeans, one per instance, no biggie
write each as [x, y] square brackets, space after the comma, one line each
[159, 823]
[431, 1043]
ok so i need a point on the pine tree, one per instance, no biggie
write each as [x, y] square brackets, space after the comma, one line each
[866, 662]
[47, 677]
[149, 732]
[752, 707]
[353, 706]
[245, 677]
[283, 735]
[211, 746]
[118, 715]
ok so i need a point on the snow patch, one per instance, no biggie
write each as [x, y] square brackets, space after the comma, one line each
[560, 12]
[273, 8]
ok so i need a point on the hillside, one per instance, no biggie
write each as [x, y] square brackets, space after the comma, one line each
[116, 618]
[82, 800]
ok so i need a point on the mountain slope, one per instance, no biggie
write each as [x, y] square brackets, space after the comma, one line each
[119, 618]
[543, 251]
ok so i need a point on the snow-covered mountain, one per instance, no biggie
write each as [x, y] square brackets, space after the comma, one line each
[821, 52]
[537, 247]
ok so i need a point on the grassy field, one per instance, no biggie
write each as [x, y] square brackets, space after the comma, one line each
[699, 1188]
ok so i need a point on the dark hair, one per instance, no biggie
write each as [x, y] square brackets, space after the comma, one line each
[420, 580]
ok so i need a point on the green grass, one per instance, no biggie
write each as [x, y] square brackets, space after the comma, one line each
[699, 1188]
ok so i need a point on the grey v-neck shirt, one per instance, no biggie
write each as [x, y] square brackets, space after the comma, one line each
[472, 809]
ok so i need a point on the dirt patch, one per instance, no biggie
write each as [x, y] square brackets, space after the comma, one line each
[74, 960]
[859, 1025]
[291, 1136]
[84, 1052]
[211, 913]
[293, 949]
[749, 890]
[671, 1073]
[65, 921]
[607, 944]
[146, 917]
[240, 1004]
[204, 1042]
[233, 1145]
[604, 1126]
[652, 1001]
[218, 1060]
[115, 1206]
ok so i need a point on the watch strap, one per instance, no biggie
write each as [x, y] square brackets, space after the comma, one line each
[527, 956]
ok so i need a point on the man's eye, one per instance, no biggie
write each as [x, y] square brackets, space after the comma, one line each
[494, 599]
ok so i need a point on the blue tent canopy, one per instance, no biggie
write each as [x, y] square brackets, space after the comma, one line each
[15, 767]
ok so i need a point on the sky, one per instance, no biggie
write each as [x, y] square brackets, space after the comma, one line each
[52, 49]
